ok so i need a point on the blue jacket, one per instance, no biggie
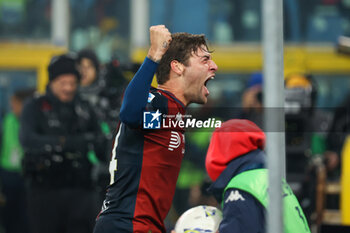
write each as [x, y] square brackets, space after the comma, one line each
[241, 211]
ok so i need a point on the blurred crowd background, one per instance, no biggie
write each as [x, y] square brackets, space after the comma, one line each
[114, 36]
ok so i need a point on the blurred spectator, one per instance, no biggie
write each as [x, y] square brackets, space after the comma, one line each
[103, 88]
[236, 163]
[306, 128]
[89, 68]
[11, 154]
[300, 96]
[92, 83]
[60, 137]
[306, 125]
[116, 83]
[93, 90]
[252, 106]
[339, 129]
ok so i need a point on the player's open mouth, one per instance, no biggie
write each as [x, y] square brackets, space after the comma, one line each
[208, 79]
[206, 82]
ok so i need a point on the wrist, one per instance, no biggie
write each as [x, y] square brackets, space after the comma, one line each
[154, 55]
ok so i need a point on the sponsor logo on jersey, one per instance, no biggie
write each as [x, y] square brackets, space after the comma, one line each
[175, 141]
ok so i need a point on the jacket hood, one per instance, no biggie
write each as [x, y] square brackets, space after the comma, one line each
[253, 160]
[233, 139]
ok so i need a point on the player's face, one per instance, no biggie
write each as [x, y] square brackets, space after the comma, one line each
[201, 68]
[64, 87]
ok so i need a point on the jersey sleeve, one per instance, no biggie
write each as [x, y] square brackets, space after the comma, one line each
[136, 94]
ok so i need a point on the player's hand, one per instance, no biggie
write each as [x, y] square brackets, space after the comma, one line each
[160, 38]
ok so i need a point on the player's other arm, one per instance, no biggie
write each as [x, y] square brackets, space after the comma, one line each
[136, 94]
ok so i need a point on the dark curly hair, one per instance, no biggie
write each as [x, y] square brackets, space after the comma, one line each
[180, 49]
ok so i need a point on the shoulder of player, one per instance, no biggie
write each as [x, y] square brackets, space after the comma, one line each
[160, 95]
[157, 100]
[155, 95]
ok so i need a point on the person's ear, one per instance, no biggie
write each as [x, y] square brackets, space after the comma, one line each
[177, 67]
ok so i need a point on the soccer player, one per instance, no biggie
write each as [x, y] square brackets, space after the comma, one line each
[145, 162]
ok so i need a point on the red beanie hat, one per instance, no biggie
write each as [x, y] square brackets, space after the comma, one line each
[234, 138]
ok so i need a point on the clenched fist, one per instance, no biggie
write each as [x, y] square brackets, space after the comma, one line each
[160, 38]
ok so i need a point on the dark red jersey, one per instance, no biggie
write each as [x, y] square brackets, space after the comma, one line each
[144, 168]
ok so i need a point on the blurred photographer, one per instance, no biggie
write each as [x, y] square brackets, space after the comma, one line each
[252, 106]
[13, 211]
[340, 127]
[306, 131]
[92, 82]
[102, 87]
[61, 138]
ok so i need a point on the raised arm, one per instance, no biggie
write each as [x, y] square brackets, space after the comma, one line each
[136, 94]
